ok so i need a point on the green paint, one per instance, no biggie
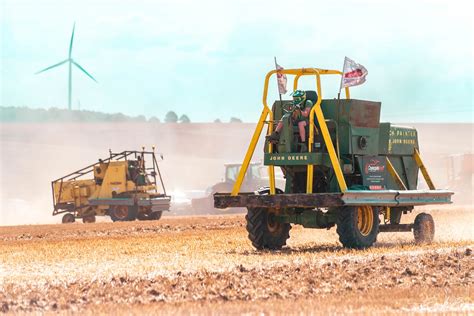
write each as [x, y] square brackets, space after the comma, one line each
[296, 159]
[309, 219]
[356, 132]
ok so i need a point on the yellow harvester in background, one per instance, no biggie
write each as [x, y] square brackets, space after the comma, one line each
[122, 187]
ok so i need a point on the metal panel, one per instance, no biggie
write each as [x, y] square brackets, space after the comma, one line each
[154, 202]
[402, 140]
[250, 199]
[411, 172]
[350, 198]
[111, 202]
[296, 159]
[397, 198]
[364, 113]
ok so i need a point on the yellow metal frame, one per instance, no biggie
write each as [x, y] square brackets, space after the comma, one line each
[316, 110]
[424, 171]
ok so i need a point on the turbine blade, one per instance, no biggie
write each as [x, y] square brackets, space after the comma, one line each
[83, 70]
[72, 39]
[56, 65]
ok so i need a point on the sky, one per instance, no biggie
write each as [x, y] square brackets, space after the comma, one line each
[208, 59]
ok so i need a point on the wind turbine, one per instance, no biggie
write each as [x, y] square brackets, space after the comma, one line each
[71, 62]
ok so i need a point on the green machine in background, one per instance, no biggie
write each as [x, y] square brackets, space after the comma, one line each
[352, 171]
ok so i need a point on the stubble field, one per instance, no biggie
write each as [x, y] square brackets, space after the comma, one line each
[205, 264]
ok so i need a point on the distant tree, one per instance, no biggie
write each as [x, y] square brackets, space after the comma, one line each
[140, 118]
[171, 117]
[118, 117]
[154, 119]
[217, 121]
[235, 120]
[184, 119]
[24, 114]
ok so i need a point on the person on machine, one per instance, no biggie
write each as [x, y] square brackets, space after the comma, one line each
[299, 117]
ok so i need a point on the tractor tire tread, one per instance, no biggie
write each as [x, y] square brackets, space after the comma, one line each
[348, 231]
[420, 231]
[259, 237]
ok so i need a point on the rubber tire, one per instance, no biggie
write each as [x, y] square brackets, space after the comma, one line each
[259, 234]
[155, 215]
[424, 228]
[349, 233]
[131, 215]
[68, 218]
[88, 219]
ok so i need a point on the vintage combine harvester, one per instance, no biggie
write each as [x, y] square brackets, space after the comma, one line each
[122, 187]
[352, 171]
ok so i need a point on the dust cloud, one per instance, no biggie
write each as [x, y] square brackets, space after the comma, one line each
[32, 155]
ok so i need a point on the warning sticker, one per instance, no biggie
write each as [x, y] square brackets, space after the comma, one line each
[374, 172]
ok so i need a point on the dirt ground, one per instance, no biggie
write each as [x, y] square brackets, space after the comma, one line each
[206, 265]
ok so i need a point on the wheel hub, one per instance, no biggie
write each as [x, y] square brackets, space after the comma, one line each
[272, 225]
[365, 220]
[121, 211]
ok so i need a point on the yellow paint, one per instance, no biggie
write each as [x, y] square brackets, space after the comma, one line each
[317, 72]
[114, 180]
[69, 189]
[271, 168]
[394, 174]
[424, 171]
[112, 177]
[309, 179]
[387, 214]
[365, 219]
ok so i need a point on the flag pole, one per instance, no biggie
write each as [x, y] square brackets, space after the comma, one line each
[276, 67]
[342, 77]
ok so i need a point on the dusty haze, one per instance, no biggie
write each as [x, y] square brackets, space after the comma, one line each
[32, 155]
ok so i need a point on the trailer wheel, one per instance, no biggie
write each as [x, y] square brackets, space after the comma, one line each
[155, 215]
[358, 226]
[424, 228]
[88, 219]
[68, 218]
[123, 213]
[144, 213]
[264, 231]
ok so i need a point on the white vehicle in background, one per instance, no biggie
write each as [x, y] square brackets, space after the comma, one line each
[255, 178]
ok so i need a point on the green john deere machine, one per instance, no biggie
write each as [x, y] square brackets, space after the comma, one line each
[352, 171]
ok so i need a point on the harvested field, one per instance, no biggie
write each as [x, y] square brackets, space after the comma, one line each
[206, 265]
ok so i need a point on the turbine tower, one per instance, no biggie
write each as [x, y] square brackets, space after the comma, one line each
[71, 62]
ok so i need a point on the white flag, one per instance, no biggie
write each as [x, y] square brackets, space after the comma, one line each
[281, 79]
[353, 73]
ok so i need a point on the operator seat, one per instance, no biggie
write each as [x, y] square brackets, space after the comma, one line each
[312, 96]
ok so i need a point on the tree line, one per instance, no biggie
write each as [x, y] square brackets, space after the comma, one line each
[29, 115]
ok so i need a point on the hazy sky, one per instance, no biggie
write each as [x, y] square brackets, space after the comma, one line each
[208, 59]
